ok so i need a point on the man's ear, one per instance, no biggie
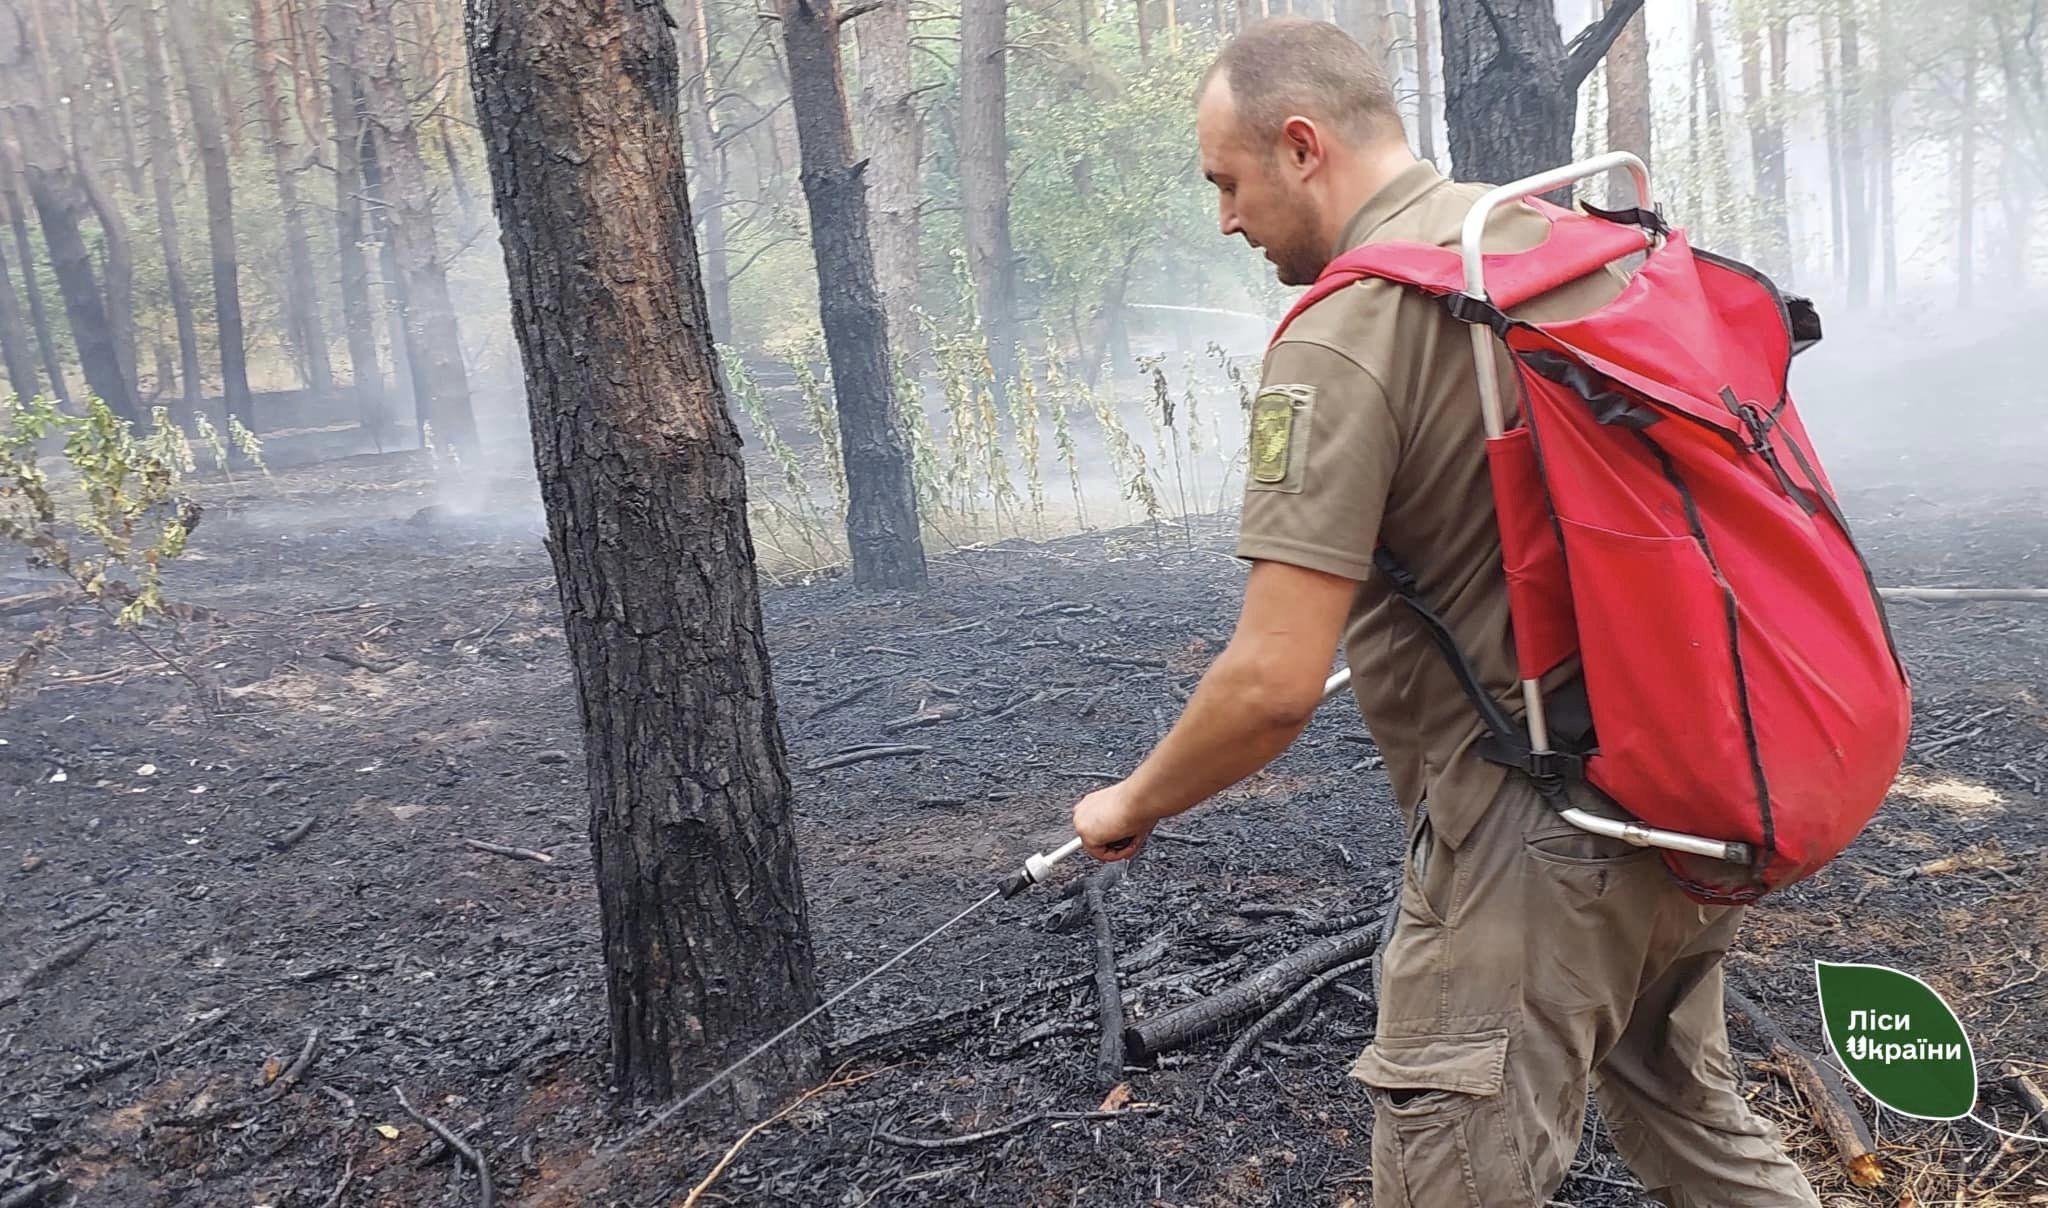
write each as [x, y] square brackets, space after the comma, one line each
[1302, 143]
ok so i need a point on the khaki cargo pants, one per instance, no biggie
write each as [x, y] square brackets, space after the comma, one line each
[1529, 964]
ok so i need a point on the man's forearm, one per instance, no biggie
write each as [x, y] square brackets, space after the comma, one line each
[1236, 723]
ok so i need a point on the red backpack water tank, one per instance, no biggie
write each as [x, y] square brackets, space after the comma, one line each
[1664, 518]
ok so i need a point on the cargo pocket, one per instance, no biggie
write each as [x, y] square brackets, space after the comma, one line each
[1440, 1134]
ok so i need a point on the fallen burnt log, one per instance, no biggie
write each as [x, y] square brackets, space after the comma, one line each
[1109, 998]
[1257, 993]
[1825, 1094]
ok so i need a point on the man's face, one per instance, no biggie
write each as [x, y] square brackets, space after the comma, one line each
[1259, 194]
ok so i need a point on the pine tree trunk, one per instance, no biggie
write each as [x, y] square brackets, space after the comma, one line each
[707, 159]
[31, 282]
[1509, 87]
[1628, 104]
[892, 133]
[1138, 8]
[706, 938]
[1837, 199]
[436, 339]
[359, 317]
[301, 286]
[117, 75]
[1855, 172]
[157, 96]
[1249, 11]
[1425, 79]
[1966, 169]
[1881, 98]
[23, 378]
[408, 360]
[1777, 179]
[118, 267]
[984, 142]
[881, 514]
[61, 201]
[220, 224]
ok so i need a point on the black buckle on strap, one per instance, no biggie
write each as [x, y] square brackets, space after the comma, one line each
[1649, 220]
[1467, 309]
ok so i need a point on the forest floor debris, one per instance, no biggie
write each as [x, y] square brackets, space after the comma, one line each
[318, 899]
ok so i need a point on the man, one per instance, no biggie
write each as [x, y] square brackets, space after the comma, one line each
[1532, 961]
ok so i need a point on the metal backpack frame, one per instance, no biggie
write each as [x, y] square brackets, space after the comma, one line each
[1493, 416]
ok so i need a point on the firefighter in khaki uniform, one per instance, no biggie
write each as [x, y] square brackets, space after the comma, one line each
[1532, 961]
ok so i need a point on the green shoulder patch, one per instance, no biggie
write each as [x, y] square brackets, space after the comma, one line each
[1272, 444]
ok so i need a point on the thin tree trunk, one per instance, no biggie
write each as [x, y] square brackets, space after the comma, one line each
[1628, 104]
[437, 339]
[61, 200]
[1837, 200]
[706, 937]
[157, 97]
[1777, 180]
[881, 512]
[358, 316]
[707, 158]
[984, 142]
[408, 359]
[22, 376]
[301, 286]
[220, 226]
[1425, 79]
[1966, 169]
[31, 281]
[892, 133]
[117, 75]
[1855, 170]
[1138, 8]
[118, 267]
[1880, 95]
[1756, 115]
[1248, 11]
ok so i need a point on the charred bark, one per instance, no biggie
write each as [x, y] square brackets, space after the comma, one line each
[31, 283]
[435, 337]
[208, 131]
[706, 941]
[408, 363]
[22, 376]
[1259, 992]
[881, 513]
[1510, 82]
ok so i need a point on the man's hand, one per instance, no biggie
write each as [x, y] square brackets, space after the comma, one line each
[1110, 816]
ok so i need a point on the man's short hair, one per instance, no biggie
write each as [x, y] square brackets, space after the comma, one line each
[1283, 66]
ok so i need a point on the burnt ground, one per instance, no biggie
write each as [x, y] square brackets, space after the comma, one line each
[228, 932]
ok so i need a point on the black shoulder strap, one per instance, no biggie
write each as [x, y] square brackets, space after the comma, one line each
[1504, 742]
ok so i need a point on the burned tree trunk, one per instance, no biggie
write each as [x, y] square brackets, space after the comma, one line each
[366, 371]
[301, 287]
[31, 283]
[207, 129]
[408, 362]
[1855, 170]
[707, 162]
[1966, 170]
[1628, 104]
[161, 142]
[1510, 82]
[1767, 149]
[436, 342]
[22, 376]
[881, 511]
[60, 201]
[706, 941]
[892, 131]
[984, 142]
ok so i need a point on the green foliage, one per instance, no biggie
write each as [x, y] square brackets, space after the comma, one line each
[117, 509]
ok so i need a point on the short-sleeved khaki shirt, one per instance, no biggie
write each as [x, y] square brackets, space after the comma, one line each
[1366, 431]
